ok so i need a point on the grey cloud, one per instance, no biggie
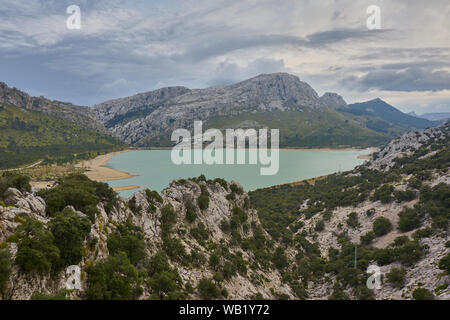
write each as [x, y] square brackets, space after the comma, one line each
[410, 79]
[228, 73]
[333, 36]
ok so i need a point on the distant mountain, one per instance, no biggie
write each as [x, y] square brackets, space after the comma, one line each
[384, 118]
[333, 100]
[32, 129]
[276, 100]
[79, 115]
[438, 116]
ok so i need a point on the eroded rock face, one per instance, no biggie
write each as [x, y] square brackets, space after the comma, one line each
[333, 100]
[166, 109]
[12, 196]
[146, 215]
[405, 145]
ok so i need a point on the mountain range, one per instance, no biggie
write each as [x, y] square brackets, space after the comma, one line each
[277, 100]
[433, 116]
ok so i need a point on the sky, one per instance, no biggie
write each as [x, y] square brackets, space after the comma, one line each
[126, 47]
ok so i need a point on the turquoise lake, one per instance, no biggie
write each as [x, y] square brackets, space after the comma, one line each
[155, 169]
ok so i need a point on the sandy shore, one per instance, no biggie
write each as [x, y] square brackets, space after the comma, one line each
[97, 171]
[369, 155]
[42, 184]
[123, 188]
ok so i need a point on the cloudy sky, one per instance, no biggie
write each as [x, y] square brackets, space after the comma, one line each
[126, 47]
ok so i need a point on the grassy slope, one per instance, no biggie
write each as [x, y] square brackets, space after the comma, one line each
[27, 136]
[310, 128]
[303, 129]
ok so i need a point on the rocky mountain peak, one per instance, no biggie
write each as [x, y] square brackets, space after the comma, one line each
[281, 87]
[149, 100]
[333, 100]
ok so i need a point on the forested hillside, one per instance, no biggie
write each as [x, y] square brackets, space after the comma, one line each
[29, 136]
[396, 210]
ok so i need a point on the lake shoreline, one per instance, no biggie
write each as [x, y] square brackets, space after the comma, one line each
[96, 169]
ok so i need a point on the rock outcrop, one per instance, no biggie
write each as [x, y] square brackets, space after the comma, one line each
[144, 117]
[406, 145]
[146, 215]
[333, 100]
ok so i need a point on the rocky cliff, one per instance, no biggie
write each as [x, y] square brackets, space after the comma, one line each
[79, 115]
[147, 214]
[407, 144]
[276, 100]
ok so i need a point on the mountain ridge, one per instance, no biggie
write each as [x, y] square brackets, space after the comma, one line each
[277, 100]
[79, 115]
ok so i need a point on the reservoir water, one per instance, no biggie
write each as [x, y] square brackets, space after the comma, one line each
[155, 170]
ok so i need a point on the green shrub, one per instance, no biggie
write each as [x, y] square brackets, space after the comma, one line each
[129, 239]
[78, 191]
[208, 290]
[444, 263]
[236, 189]
[409, 220]
[168, 218]
[222, 182]
[406, 195]
[165, 284]
[5, 269]
[240, 215]
[320, 225]
[407, 252]
[14, 238]
[11, 179]
[415, 183]
[174, 249]
[60, 295]
[364, 293]
[153, 196]
[69, 231]
[381, 226]
[367, 238]
[113, 278]
[352, 220]
[422, 294]
[396, 277]
[384, 193]
[279, 259]
[134, 207]
[203, 199]
[165, 281]
[422, 233]
[191, 211]
[200, 233]
[214, 261]
[198, 259]
[37, 251]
